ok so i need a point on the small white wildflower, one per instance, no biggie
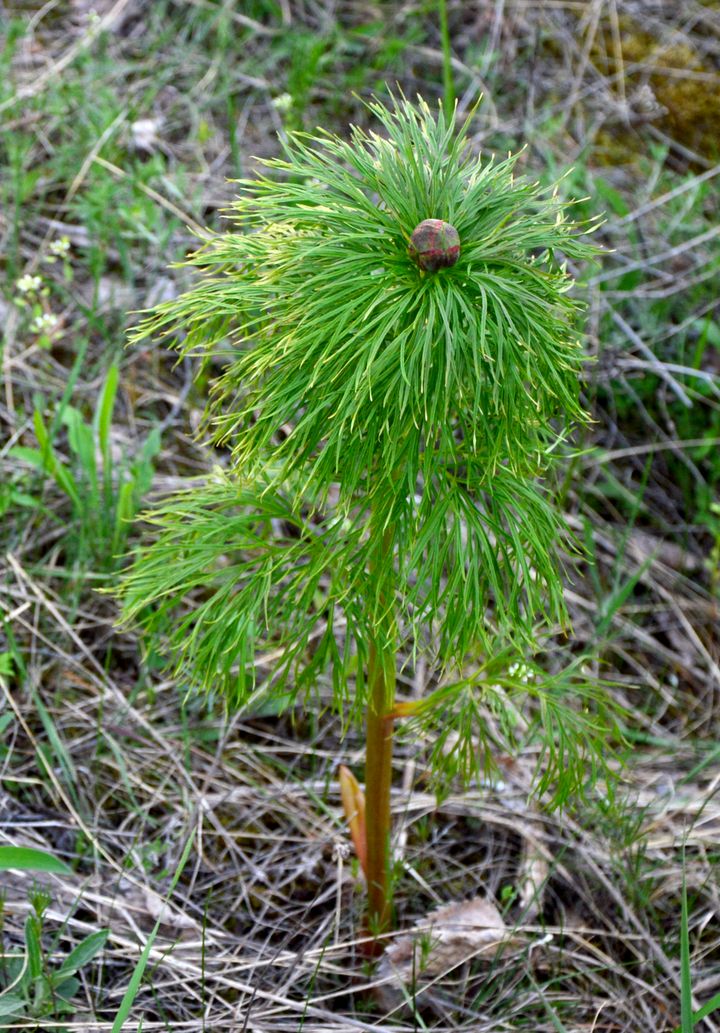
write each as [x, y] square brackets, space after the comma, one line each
[341, 851]
[60, 247]
[520, 671]
[27, 284]
[283, 102]
[45, 323]
[145, 133]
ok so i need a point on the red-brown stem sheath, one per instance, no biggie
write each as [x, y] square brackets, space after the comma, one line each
[378, 774]
[353, 801]
[379, 747]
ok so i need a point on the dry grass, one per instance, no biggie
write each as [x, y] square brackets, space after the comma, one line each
[104, 764]
[262, 929]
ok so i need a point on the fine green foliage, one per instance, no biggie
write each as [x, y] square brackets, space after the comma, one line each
[567, 725]
[386, 427]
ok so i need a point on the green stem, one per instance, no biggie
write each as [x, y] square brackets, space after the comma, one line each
[448, 83]
[379, 746]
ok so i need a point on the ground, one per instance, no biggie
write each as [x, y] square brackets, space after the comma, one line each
[123, 125]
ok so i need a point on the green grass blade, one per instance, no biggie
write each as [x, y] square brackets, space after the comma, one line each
[702, 1013]
[124, 513]
[551, 1013]
[136, 978]
[34, 950]
[104, 413]
[60, 753]
[711, 758]
[687, 1023]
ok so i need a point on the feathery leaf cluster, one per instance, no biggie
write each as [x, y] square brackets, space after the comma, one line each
[360, 396]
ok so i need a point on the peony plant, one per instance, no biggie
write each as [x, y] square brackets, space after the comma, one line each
[395, 364]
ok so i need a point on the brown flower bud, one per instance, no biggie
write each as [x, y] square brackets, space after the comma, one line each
[434, 244]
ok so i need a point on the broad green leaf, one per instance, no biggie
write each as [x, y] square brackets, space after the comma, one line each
[11, 1004]
[31, 456]
[51, 464]
[82, 443]
[29, 859]
[68, 988]
[80, 955]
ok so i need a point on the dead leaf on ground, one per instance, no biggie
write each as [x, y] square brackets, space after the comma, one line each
[446, 938]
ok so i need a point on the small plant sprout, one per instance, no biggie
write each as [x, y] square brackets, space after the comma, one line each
[397, 365]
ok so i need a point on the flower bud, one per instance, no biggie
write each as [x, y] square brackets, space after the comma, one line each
[434, 244]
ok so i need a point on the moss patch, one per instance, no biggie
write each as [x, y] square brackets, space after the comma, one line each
[685, 85]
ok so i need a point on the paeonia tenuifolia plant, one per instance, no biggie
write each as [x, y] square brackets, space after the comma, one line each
[395, 365]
